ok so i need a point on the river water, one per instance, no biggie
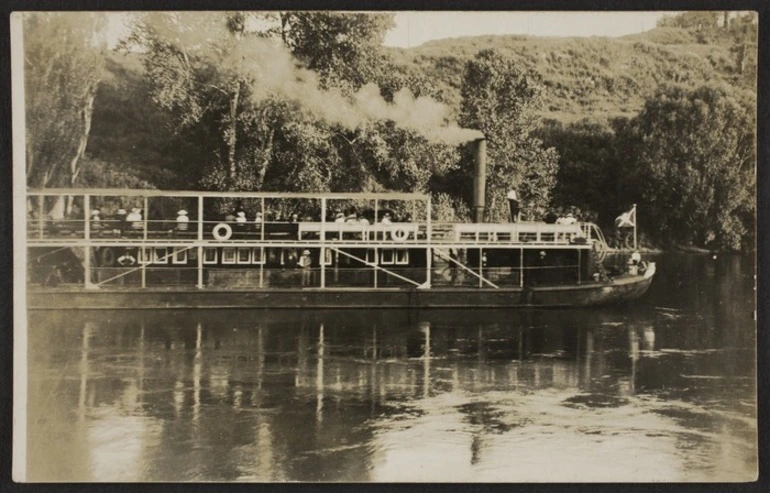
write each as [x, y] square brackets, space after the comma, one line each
[661, 390]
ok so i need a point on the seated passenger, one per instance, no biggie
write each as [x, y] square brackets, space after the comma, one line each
[96, 221]
[135, 219]
[182, 221]
[570, 219]
[386, 218]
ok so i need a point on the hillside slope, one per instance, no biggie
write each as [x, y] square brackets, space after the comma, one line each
[596, 78]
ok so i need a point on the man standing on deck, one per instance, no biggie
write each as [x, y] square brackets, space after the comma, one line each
[513, 203]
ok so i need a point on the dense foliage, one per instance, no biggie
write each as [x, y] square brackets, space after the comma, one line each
[312, 101]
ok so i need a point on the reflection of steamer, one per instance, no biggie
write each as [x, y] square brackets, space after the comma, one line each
[408, 263]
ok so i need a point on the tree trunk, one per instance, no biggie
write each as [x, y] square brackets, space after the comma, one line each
[85, 115]
[267, 150]
[232, 137]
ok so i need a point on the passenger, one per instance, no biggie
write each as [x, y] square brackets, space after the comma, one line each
[339, 218]
[305, 263]
[135, 219]
[570, 219]
[182, 221]
[120, 217]
[241, 218]
[551, 217]
[352, 217]
[386, 218]
[513, 203]
[294, 218]
[258, 219]
[364, 221]
[230, 217]
[127, 259]
[96, 221]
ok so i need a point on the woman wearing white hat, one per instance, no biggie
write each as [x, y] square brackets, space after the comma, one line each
[96, 221]
[305, 263]
[182, 221]
[135, 218]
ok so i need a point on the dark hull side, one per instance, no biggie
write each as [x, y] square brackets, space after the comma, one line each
[595, 294]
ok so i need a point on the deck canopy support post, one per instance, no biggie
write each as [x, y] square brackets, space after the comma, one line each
[200, 218]
[481, 267]
[40, 215]
[146, 214]
[87, 267]
[262, 233]
[322, 251]
[87, 213]
[428, 266]
[580, 255]
[200, 267]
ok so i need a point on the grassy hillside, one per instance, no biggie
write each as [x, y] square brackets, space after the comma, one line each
[596, 78]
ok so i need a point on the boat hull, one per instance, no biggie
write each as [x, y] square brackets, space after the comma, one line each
[620, 290]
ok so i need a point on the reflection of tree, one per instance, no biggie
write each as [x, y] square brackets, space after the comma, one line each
[236, 391]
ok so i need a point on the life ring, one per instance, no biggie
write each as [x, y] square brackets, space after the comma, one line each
[107, 257]
[126, 260]
[399, 234]
[222, 232]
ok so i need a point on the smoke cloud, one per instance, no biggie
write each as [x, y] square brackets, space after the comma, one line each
[275, 72]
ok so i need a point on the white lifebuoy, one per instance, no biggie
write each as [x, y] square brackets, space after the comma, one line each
[399, 234]
[222, 232]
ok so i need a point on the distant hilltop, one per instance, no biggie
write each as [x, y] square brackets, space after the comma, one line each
[597, 77]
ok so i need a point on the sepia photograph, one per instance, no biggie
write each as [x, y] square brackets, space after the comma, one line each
[385, 247]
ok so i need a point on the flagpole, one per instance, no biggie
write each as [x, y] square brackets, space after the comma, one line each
[636, 220]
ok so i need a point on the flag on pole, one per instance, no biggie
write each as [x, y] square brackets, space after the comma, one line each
[627, 219]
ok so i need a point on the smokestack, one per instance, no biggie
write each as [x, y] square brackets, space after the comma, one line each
[479, 179]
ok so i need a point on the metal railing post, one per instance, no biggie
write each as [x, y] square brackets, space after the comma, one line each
[146, 214]
[200, 267]
[87, 213]
[41, 215]
[200, 217]
[322, 252]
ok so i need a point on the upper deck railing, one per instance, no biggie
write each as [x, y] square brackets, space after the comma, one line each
[207, 228]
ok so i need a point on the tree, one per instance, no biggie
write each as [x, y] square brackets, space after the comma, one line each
[500, 100]
[589, 167]
[693, 154]
[343, 48]
[63, 65]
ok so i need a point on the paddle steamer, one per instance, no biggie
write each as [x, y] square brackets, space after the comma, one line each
[176, 249]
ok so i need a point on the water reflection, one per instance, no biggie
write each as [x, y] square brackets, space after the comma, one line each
[652, 392]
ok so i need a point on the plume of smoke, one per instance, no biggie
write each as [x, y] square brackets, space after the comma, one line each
[275, 72]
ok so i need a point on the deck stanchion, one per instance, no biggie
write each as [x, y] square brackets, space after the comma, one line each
[145, 219]
[87, 267]
[579, 254]
[481, 267]
[87, 213]
[40, 215]
[521, 268]
[322, 251]
[262, 234]
[200, 218]
[376, 256]
[200, 267]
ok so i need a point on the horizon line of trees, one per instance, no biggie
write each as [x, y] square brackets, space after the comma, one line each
[216, 114]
